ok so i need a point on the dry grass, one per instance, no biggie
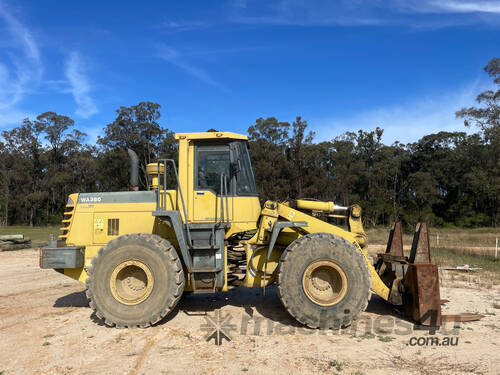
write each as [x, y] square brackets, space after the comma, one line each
[433, 364]
[479, 240]
[457, 247]
[489, 274]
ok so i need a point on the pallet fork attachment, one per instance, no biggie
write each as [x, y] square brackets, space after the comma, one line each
[414, 280]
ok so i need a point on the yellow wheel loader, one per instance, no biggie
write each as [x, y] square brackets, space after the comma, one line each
[139, 251]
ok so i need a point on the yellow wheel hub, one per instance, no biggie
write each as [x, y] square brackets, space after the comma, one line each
[131, 282]
[324, 282]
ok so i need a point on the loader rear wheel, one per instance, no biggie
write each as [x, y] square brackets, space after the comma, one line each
[135, 280]
[323, 281]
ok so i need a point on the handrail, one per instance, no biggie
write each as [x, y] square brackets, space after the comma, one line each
[158, 196]
[227, 201]
[163, 204]
[223, 195]
[219, 219]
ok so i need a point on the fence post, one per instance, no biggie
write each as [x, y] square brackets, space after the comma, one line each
[437, 240]
[496, 248]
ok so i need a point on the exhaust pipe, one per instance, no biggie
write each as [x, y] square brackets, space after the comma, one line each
[134, 170]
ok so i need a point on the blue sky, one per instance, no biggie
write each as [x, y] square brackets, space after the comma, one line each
[405, 66]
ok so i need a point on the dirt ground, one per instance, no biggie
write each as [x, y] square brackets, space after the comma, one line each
[46, 327]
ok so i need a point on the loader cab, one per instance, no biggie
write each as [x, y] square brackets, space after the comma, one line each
[223, 167]
[215, 172]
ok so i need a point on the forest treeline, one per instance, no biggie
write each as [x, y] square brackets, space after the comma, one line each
[447, 178]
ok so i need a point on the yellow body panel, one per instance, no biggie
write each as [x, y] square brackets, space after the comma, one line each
[256, 260]
[89, 227]
[244, 212]
[91, 222]
[206, 207]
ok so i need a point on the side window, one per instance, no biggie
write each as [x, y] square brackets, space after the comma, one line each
[245, 182]
[212, 161]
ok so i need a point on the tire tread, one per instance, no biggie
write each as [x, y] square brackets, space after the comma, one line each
[293, 306]
[161, 244]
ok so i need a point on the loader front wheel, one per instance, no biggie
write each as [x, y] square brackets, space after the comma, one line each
[135, 280]
[323, 281]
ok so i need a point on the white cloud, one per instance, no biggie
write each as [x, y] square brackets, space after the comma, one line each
[363, 12]
[80, 87]
[305, 13]
[174, 57]
[21, 34]
[184, 25]
[22, 72]
[452, 6]
[406, 122]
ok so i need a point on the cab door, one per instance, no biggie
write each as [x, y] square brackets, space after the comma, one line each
[212, 160]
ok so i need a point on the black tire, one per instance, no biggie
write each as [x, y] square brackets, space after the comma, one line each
[294, 261]
[165, 266]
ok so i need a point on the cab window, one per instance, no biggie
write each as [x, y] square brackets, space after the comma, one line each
[211, 162]
[245, 181]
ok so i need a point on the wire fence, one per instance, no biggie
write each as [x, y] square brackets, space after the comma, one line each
[483, 241]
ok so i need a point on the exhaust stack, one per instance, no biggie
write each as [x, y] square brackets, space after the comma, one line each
[134, 170]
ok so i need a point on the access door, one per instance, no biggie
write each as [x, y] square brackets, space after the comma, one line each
[212, 168]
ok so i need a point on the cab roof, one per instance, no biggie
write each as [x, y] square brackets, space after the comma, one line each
[211, 135]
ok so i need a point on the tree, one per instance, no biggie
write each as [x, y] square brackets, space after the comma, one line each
[37, 178]
[137, 128]
[4, 187]
[344, 166]
[23, 168]
[487, 117]
[268, 141]
[55, 129]
[298, 144]
[54, 126]
[445, 178]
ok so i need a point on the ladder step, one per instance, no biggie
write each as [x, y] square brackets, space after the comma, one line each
[205, 269]
[203, 247]
[204, 291]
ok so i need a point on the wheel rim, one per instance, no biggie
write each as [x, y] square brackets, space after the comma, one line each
[325, 282]
[131, 282]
